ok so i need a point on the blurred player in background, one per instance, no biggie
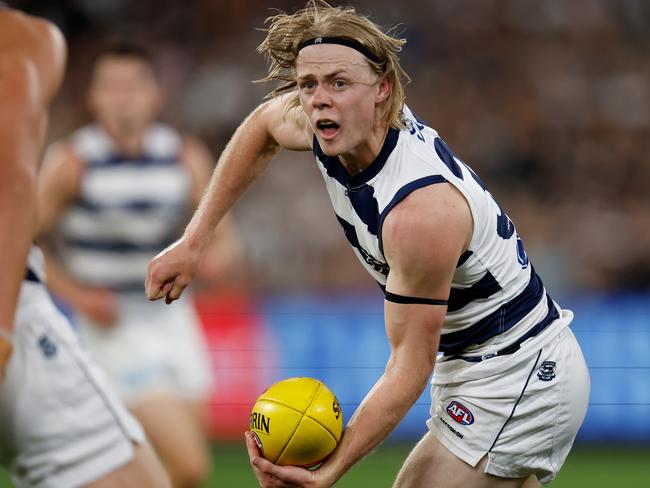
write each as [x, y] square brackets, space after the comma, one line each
[511, 387]
[111, 195]
[60, 426]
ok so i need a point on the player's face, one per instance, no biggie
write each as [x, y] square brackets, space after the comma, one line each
[340, 95]
[124, 95]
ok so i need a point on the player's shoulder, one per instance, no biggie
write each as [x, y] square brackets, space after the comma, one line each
[32, 55]
[25, 35]
[285, 120]
[442, 204]
[432, 217]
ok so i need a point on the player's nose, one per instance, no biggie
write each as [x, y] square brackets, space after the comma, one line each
[321, 97]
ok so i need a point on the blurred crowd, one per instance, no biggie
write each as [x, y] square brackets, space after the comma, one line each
[549, 101]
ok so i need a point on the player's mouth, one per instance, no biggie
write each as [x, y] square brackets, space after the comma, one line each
[327, 128]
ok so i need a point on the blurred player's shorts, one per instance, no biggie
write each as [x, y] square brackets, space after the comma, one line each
[153, 347]
[61, 423]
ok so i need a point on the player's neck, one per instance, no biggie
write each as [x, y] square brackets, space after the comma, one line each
[128, 143]
[365, 153]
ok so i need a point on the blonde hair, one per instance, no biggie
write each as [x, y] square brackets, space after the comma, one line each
[319, 19]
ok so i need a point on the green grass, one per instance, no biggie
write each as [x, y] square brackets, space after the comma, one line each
[593, 467]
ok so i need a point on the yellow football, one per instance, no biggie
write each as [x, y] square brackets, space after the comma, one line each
[297, 421]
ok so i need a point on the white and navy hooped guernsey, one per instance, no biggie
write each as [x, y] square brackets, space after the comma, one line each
[496, 298]
[128, 209]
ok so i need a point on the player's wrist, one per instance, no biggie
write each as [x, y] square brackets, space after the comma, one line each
[197, 235]
[329, 474]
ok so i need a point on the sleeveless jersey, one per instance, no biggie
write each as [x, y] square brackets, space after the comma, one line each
[496, 297]
[128, 208]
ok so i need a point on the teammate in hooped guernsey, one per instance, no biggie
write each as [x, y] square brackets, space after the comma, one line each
[113, 194]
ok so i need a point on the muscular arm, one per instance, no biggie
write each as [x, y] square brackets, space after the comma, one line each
[423, 238]
[250, 149]
[222, 255]
[32, 56]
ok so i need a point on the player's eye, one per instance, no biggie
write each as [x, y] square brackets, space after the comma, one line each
[340, 84]
[308, 85]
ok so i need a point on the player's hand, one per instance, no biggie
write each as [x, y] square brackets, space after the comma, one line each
[270, 475]
[99, 305]
[171, 271]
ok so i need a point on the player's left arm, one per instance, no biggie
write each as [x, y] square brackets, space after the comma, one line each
[222, 252]
[423, 238]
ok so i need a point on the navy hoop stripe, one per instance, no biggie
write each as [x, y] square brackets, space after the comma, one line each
[118, 246]
[484, 288]
[142, 161]
[501, 320]
[551, 316]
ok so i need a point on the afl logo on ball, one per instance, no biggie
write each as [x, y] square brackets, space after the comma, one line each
[460, 413]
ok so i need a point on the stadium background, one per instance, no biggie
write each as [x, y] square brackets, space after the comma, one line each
[548, 101]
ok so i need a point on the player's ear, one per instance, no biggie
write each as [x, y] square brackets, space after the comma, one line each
[384, 89]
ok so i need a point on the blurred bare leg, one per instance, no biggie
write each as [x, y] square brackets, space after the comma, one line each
[177, 436]
[144, 471]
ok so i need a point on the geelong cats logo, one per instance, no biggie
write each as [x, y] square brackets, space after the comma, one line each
[547, 371]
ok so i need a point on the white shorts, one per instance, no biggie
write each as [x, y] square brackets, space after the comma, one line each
[152, 347]
[60, 425]
[523, 410]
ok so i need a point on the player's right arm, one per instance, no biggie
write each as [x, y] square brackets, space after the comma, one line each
[32, 61]
[255, 142]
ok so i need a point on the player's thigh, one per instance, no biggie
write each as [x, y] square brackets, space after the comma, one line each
[174, 431]
[430, 465]
[143, 471]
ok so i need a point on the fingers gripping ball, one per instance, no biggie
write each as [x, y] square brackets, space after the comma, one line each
[297, 422]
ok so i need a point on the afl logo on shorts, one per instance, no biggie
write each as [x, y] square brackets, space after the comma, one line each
[547, 371]
[460, 413]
